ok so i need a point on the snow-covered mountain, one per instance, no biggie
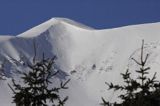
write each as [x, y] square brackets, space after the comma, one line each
[88, 56]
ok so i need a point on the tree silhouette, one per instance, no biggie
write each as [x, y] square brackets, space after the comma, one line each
[142, 91]
[36, 90]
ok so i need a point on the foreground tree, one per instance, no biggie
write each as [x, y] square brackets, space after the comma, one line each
[142, 91]
[36, 88]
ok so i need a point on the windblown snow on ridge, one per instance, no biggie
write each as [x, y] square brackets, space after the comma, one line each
[88, 56]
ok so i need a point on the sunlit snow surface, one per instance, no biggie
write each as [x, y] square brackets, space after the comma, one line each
[87, 56]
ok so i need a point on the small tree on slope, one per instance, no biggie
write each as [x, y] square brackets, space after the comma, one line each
[36, 91]
[2, 71]
[2, 75]
[142, 91]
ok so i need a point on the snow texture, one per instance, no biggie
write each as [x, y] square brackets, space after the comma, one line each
[89, 57]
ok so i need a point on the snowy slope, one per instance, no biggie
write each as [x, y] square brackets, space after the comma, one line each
[79, 48]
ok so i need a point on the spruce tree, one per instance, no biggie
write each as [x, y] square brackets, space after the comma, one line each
[142, 91]
[36, 90]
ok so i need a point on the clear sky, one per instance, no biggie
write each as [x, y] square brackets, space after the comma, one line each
[17, 16]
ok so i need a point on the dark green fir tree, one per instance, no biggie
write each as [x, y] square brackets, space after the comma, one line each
[36, 90]
[141, 91]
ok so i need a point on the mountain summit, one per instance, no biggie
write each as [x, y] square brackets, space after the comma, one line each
[53, 22]
[88, 56]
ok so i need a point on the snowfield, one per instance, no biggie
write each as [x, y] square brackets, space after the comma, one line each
[89, 57]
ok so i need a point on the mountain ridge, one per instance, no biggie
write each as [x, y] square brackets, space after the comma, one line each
[53, 22]
[78, 49]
